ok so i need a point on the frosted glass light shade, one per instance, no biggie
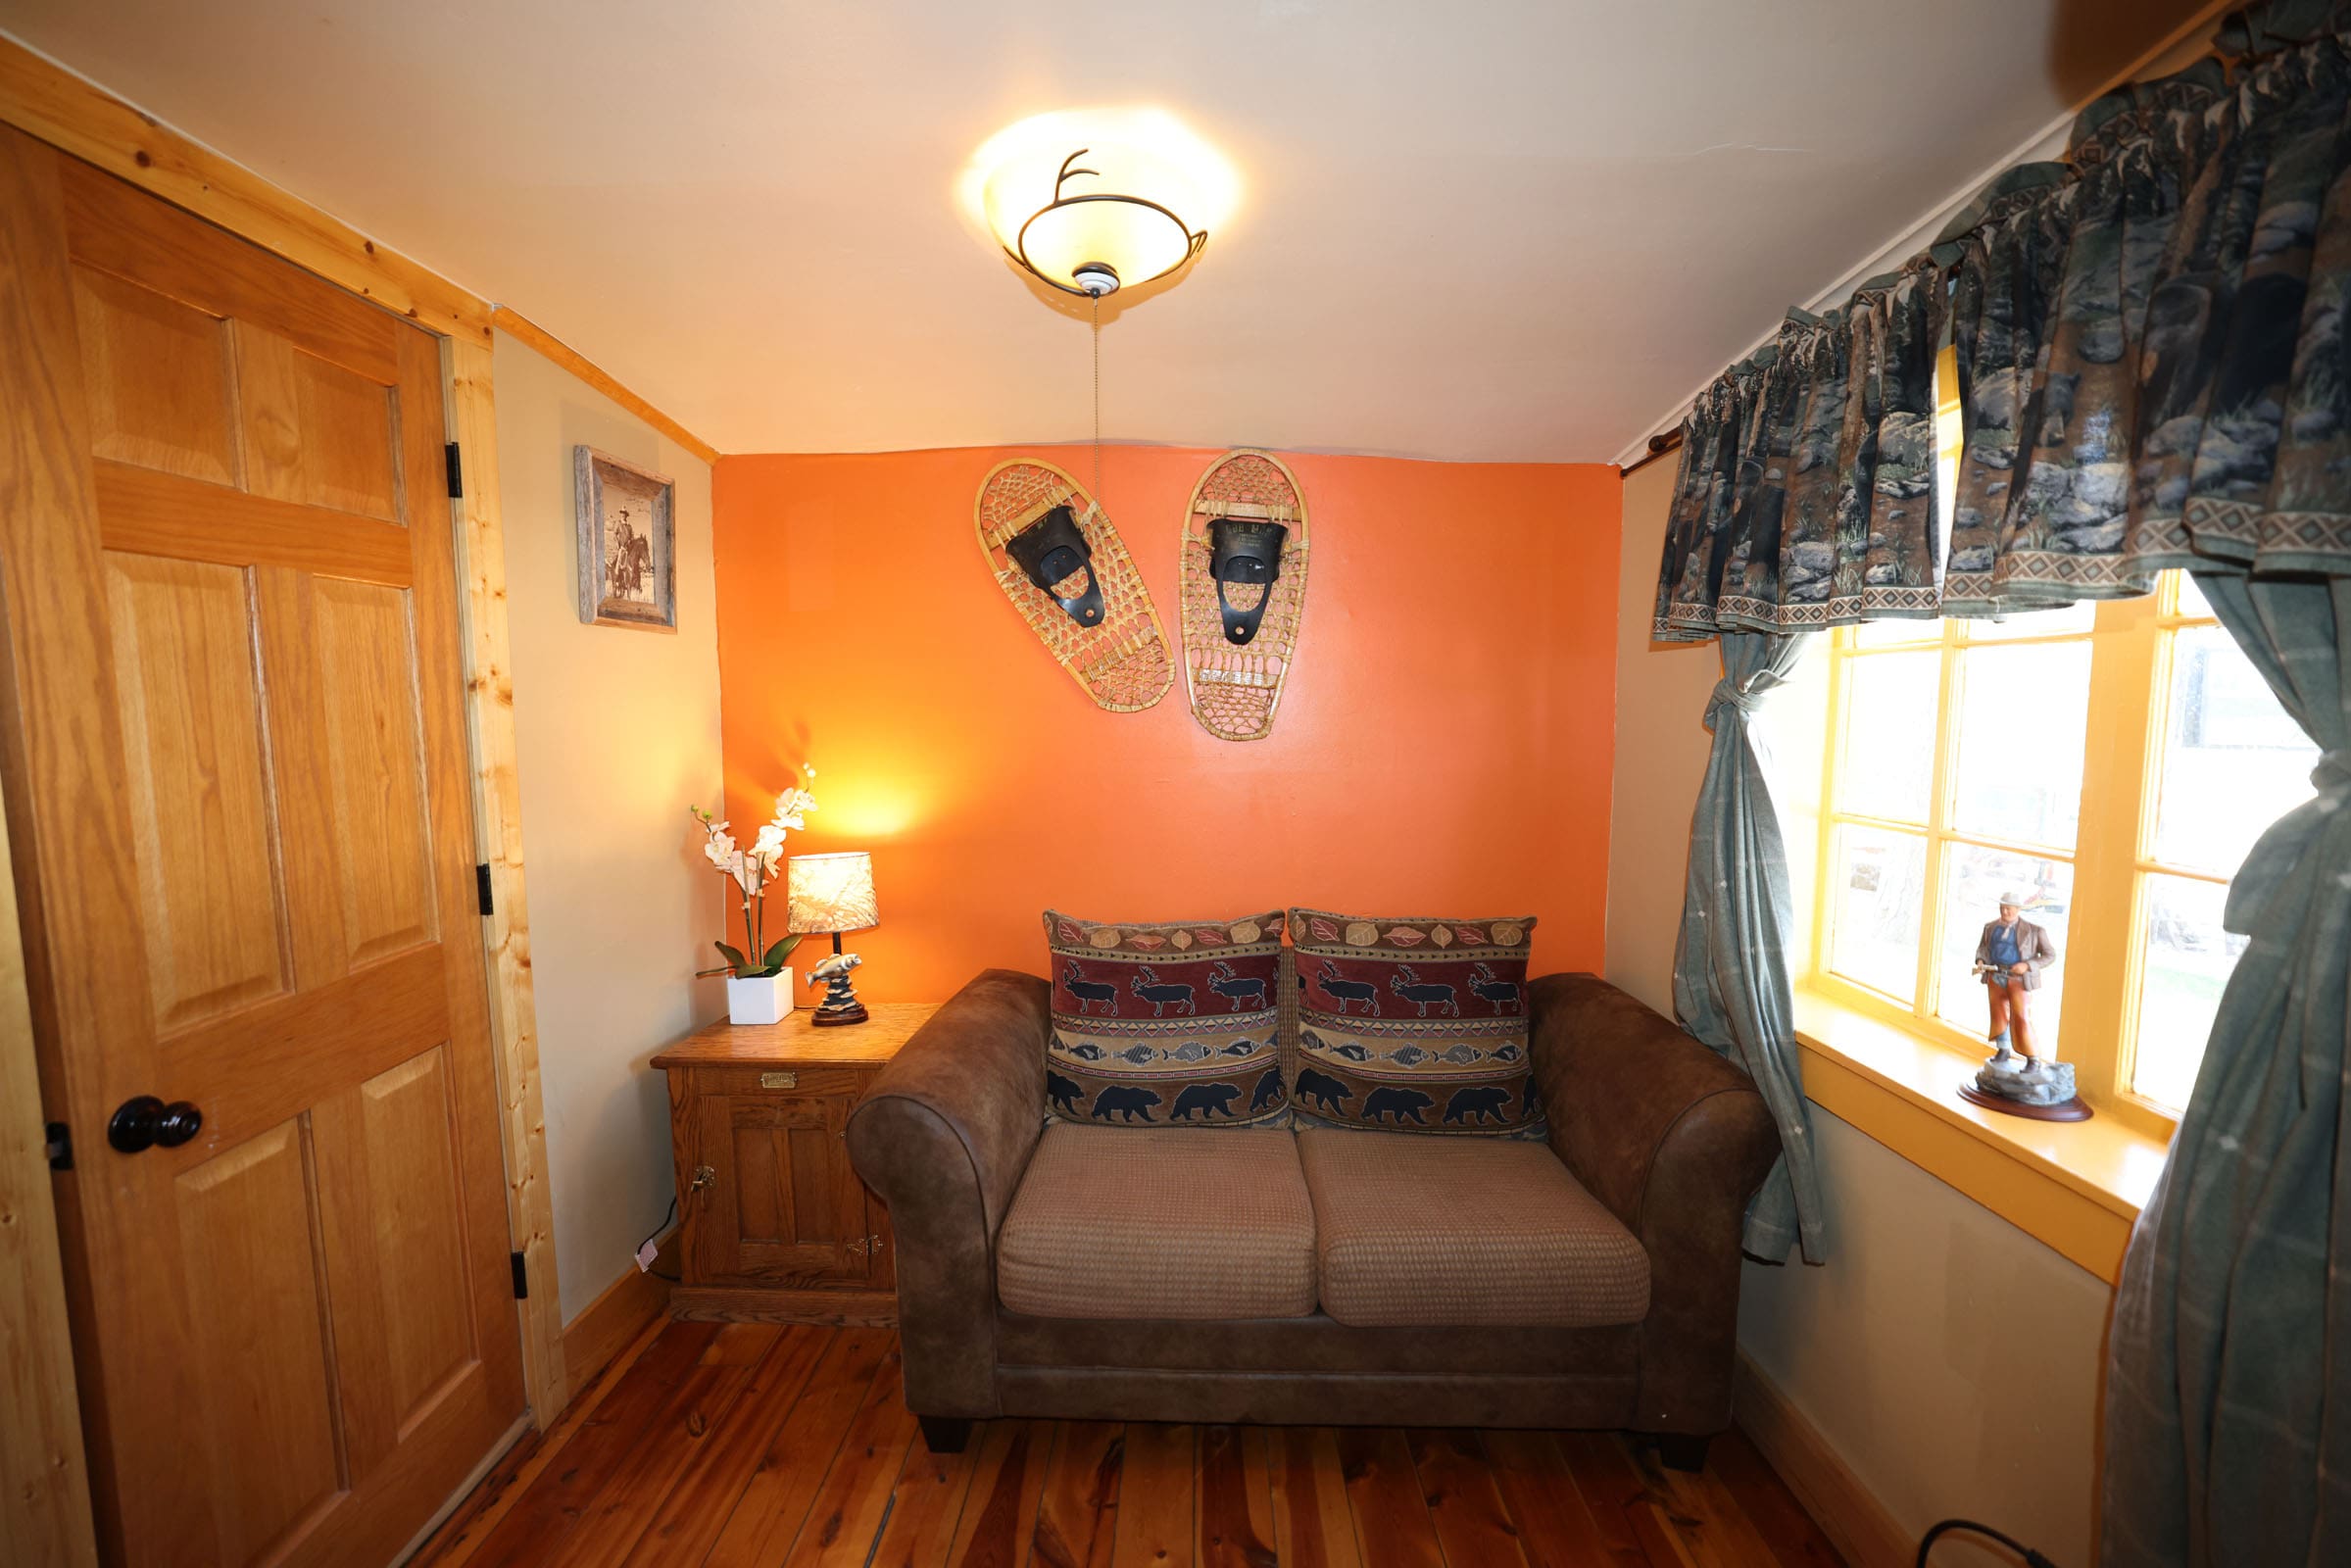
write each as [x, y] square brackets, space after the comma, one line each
[1143, 154]
[830, 892]
[1136, 242]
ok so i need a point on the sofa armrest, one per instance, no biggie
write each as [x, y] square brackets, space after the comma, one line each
[944, 1135]
[1675, 1140]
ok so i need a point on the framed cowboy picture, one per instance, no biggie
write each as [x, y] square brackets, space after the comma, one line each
[627, 562]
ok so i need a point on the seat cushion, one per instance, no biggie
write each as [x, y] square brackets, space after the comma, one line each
[1464, 1231]
[1157, 1222]
[1169, 1025]
[1413, 1025]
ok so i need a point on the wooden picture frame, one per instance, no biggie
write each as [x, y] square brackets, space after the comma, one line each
[626, 565]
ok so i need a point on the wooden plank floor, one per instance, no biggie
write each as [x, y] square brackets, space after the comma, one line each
[759, 1446]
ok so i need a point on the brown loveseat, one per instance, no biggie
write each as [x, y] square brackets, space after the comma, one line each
[1341, 1277]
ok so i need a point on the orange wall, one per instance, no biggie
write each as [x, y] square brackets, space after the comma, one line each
[1443, 746]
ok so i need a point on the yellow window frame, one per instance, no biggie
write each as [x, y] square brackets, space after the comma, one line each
[2132, 644]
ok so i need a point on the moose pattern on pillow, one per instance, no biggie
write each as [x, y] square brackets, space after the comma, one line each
[1165, 1025]
[1413, 1025]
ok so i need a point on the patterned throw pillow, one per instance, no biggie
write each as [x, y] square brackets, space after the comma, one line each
[1413, 1025]
[1175, 1025]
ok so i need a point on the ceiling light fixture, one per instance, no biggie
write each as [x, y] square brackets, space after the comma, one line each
[1093, 241]
[1092, 201]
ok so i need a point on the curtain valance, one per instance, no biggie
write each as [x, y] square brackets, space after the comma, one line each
[2154, 370]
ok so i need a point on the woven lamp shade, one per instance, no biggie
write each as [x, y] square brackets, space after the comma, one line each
[830, 892]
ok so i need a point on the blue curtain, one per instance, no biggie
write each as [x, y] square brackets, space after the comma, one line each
[1731, 980]
[2229, 1386]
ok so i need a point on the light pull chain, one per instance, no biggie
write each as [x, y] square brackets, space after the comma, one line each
[1098, 405]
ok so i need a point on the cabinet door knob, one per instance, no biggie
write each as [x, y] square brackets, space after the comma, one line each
[704, 1175]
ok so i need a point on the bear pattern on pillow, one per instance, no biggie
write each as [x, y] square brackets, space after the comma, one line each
[1413, 1025]
[1173, 1024]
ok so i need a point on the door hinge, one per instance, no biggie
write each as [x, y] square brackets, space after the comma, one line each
[521, 1276]
[457, 471]
[61, 1146]
[481, 888]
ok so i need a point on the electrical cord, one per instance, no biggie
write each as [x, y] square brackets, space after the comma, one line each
[667, 1217]
[2033, 1558]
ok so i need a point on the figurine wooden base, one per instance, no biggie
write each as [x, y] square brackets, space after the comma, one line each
[829, 1016]
[2073, 1109]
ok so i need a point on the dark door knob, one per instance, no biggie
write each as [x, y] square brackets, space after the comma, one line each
[145, 1120]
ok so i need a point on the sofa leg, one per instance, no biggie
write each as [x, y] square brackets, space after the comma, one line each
[1682, 1452]
[946, 1434]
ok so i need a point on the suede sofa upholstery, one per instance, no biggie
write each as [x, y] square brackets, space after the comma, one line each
[1660, 1142]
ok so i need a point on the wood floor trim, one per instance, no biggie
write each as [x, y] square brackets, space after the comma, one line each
[620, 1314]
[1848, 1513]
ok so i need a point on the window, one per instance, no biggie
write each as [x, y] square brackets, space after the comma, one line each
[2229, 761]
[1958, 752]
[2115, 762]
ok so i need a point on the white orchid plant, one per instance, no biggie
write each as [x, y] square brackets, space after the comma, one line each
[753, 871]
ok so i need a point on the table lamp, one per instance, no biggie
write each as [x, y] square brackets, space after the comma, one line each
[832, 892]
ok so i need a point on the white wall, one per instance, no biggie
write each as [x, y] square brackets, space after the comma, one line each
[617, 732]
[1950, 1358]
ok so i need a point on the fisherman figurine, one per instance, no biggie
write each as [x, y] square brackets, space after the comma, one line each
[2010, 958]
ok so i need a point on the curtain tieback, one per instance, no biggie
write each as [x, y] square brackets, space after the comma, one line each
[1727, 695]
[2277, 853]
[2333, 776]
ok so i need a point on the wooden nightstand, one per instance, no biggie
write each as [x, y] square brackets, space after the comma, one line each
[774, 1225]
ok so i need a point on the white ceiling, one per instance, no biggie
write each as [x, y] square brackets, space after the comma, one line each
[1480, 229]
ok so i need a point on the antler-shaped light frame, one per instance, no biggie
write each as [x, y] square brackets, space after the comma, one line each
[1097, 278]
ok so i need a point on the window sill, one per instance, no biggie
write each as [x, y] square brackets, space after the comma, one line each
[2075, 1186]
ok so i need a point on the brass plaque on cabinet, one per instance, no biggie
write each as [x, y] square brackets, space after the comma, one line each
[779, 1080]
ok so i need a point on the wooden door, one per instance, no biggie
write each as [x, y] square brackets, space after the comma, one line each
[236, 784]
[782, 1207]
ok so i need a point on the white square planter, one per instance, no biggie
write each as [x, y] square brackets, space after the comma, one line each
[761, 998]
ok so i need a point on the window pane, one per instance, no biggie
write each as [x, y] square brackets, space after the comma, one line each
[1881, 882]
[2022, 715]
[1888, 761]
[2035, 623]
[1895, 633]
[2188, 958]
[2232, 761]
[2191, 598]
[1974, 879]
